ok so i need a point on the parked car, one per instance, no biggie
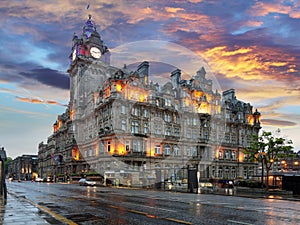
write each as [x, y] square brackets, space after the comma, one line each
[38, 179]
[85, 182]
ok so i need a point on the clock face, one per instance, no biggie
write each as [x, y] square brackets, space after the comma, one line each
[74, 54]
[95, 52]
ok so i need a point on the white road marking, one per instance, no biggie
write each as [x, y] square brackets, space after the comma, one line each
[239, 222]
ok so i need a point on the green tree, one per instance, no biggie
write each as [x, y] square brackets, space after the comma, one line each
[8, 160]
[267, 148]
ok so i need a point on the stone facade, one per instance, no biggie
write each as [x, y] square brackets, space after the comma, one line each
[23, 167]
[136, 132]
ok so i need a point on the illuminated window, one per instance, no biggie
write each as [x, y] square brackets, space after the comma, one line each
[127, 146]
[220, 155]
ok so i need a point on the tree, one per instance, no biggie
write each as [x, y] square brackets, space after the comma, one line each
[267, 148]
[8, 160]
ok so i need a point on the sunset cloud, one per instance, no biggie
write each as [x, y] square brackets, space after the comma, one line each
[39, 101]
[251, 46]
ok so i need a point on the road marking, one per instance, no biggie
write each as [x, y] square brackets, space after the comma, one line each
[156, 217]
[137, 212]
[55, 215]
[178, 221]
[151, 207]
[239, 222]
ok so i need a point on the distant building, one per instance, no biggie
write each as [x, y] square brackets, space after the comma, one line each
[23, 167]
[135, 132]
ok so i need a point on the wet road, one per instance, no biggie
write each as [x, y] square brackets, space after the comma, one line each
[101, 205]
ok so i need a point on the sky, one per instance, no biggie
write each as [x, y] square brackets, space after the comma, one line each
[251, 46]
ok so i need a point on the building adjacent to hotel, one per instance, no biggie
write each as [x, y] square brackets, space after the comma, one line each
[136, 132]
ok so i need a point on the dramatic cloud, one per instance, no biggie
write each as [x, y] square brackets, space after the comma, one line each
[48, 77]
[251, 46]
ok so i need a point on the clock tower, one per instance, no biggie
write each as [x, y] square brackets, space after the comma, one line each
[89, 44]
[89, 66]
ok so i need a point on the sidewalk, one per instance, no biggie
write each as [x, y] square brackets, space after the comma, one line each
[19, 211]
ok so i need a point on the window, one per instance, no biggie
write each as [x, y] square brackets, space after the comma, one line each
[194, 134]
[226, 154]
[167, 102]
[136, 111]
[127, 146]
[145, 113]
[233, 172]
[194, 121]
[167, 117]
[188, 133]
[136, 146]
[226, 173]
[123, 125]
[134, 127]
[220, 155]
[176, 151]
[233, 155]
[195, 151]
[158, 129]
[187, 151]
[176, 131]
[123, 109]
[220, 172]
[157, 149]
[101, 147]
[108, 146]
[167, 150]
[146, 130]
[168, 131]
